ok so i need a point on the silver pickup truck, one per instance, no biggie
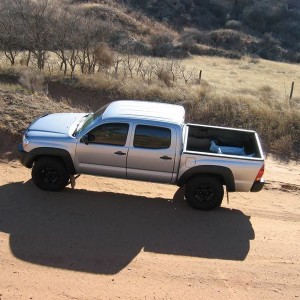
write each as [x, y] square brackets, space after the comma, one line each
[146, 141]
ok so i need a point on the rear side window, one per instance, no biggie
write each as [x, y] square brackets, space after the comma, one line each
[152, 137]
[109, 134]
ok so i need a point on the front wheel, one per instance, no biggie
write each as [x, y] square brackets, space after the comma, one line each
[50, 174]
[204, 192]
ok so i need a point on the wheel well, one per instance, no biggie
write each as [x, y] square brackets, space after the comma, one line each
[60, 154]
[49, 157]
[217, 176]
[223, 174]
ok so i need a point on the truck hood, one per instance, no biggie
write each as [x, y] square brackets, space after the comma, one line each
[60, 123]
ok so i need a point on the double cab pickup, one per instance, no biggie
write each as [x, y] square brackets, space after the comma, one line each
[146, 141]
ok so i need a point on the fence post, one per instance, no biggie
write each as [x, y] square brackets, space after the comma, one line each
[292, 90]
[200, 75]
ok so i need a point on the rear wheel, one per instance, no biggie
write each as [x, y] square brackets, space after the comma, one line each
[50, 174]
[204, 192]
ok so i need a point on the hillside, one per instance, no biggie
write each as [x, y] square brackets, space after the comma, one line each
[173, 28]
[18, 108]
[267, 28]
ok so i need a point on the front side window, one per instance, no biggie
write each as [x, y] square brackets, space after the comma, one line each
[90, 118]
[152, 137]
[109, 134]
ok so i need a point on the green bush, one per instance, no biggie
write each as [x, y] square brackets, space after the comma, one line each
[270, 47]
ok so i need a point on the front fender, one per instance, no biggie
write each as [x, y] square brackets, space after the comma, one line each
[28, 158]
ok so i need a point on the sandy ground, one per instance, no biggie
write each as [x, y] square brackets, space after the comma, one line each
[116, 239]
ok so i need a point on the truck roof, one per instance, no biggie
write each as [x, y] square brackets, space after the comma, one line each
[155, 111]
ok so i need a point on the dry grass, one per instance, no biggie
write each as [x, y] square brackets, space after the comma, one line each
[137, 88]
[235, 77]
[247, 93]
[256, 97]
[19, 107]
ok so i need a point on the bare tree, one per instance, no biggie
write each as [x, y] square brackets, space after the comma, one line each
[140, 66]
[186, 74]
[130, 63]
[118, 60]
[63, 25]
[8, 35]
[175, 68]
[151, 70]
[73, 60]
[32, 22]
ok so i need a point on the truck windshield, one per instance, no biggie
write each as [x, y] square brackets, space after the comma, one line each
[91, 118]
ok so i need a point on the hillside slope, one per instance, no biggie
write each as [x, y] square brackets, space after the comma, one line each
[276, 23]
[18, 108]
[177, 28]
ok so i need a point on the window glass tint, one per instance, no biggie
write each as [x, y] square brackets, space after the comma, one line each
[92, 117]
[109, 134]
[152, 137]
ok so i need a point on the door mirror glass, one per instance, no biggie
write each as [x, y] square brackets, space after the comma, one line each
[91, 137]
[85, 139]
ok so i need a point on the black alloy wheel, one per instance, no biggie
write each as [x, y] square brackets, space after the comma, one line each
[204, 192]
[50, 174]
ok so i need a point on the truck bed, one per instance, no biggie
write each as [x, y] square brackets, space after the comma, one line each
[222, 141]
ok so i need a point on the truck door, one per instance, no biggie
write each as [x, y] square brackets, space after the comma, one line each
[105, 151]
[151, 155]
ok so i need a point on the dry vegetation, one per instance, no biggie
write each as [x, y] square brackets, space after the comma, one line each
[247, 93]
[252, 94]
[18, 108]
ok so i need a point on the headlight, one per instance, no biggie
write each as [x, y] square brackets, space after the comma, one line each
[26, 141]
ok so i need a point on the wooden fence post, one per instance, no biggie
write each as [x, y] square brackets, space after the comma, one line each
[200, 75]
[292, 90]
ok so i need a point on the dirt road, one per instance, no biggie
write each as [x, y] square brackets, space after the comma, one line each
[115, 239]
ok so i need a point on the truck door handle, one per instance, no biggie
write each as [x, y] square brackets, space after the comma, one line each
[120, 153]
[165, 157]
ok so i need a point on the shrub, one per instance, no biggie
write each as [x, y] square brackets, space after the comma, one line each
[253, 16]
[226, 38]
[233, 24]
[206, 50]
[104, 55]
[140, 48]
[165, 76]
[195, 35]
[33, 80]
[188, 41]
[288, 29]
[162, 45]
[119, 40]
[292, 56]
[270, 47]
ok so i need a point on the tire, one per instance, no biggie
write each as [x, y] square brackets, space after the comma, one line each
[204, 192]
[50, 174]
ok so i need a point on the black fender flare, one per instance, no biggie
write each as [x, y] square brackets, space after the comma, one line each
[63, 154]
[223, 173]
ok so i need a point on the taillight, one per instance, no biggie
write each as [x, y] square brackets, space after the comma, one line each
[260, 173]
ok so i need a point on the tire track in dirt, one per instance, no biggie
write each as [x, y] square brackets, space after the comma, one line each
[282, 186]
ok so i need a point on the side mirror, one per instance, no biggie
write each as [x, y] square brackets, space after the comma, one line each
[85, 139]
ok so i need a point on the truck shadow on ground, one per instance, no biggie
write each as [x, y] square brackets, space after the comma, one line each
[101, 232]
